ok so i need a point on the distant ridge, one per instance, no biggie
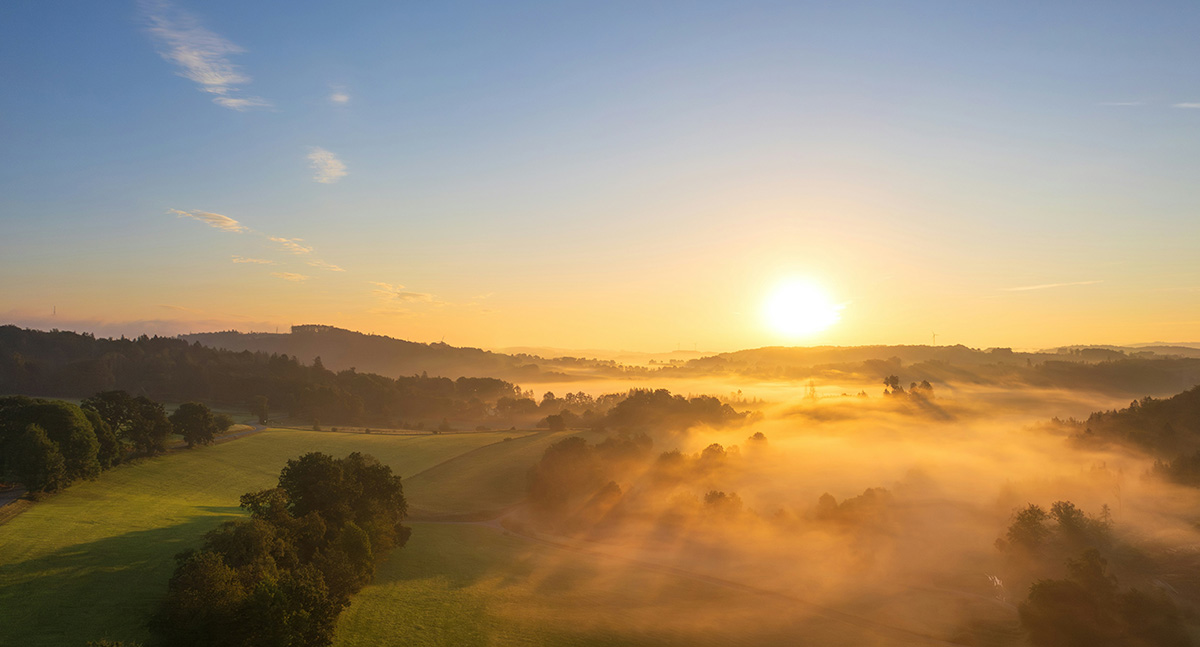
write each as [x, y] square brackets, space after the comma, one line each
[341, 349]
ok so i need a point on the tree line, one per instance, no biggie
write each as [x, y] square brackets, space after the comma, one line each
[638, 410]
[67, 364]
[45, 445]
[1166, 428]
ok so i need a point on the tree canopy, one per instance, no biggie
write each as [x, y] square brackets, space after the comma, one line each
[281, 577]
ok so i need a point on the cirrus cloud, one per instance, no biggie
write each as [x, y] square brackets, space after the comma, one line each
[222, 222]
[1046, 286]
[325, 266]
[201, 55]
[291, 244]
[255, 261]
[390, 292]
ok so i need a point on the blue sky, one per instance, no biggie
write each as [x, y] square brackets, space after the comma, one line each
[623, 175]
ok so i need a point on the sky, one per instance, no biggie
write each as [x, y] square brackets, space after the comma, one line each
[620, 175]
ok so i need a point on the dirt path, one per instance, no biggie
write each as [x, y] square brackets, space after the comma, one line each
[10, 495]
[254, 429]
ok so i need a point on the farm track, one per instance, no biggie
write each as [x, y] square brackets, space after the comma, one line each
[10, 495]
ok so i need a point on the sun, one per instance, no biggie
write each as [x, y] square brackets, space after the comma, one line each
[799, 308]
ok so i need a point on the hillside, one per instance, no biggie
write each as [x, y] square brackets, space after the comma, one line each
[1164, 427]
[341, 349]
[1137, 371]
[66, 364]
[94, 561]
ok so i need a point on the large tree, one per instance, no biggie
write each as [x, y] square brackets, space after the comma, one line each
[194, 421]
[282, 577]
[260, 407]
[114, 407]
[39, 465]
[1088, 609]
[149, 427]
[64, 423]
[111, 448]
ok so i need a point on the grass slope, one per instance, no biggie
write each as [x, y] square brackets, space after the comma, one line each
[94, 561]
[482, 482]
[468, 584]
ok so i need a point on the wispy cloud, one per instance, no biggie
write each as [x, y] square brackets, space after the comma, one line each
[1186, 105]
[242, 103]
[291, 244]
[325, 266]
[181, 309]
[201, 55]
[1046, 286]
[397, 292]
[224, 223]
[326, 166]
[1122, 103]
[339, 97]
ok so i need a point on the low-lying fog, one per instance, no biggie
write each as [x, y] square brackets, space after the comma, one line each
[885, 507]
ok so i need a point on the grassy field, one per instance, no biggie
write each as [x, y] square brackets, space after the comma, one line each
[468, 584]
[483, 481]
[94, 560]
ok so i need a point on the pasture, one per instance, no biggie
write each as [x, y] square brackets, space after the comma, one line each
[480, 483]
[471, 584]
[93, 561]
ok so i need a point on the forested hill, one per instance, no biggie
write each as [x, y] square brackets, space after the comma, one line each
[1109, 369]
[1164, 427]
[957, 355]
[341, 349]
[68, 364]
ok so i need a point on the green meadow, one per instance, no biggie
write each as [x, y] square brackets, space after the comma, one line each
[483, 482]
[93, 561]
[468, 584]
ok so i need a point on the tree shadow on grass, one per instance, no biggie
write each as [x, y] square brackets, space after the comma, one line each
[101, 589]
[459, 555]
[476, 584]
[232, 510]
